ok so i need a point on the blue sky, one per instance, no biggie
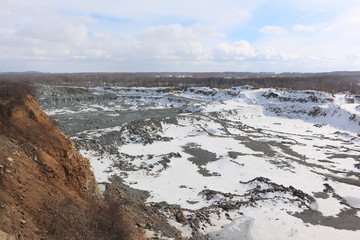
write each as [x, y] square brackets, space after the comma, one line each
[179, 35]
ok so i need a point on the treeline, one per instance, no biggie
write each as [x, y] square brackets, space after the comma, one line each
[330, 82]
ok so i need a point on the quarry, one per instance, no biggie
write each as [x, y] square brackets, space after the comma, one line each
[223, 163]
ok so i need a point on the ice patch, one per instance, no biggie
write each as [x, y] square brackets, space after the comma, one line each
[353, 201]
[237, 229]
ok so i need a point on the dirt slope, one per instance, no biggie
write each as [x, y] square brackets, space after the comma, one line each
[47, 190]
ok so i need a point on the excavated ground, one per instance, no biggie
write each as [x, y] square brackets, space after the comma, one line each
[128, 131]
[49, 192]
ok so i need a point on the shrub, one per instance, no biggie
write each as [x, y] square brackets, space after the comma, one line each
[15, 92]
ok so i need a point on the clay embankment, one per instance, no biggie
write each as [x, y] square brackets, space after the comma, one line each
[47, 190]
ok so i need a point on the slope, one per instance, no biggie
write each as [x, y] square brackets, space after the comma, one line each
[47, 190]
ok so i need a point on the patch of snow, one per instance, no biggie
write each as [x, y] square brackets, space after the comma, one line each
[329, 206]
[237, 229]
[353, 201]
[186, 230]
[102, 165]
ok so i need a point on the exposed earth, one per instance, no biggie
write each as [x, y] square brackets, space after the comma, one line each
[223, 164]
[47, 190]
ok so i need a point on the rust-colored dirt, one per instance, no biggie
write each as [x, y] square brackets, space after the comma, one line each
[47, 190]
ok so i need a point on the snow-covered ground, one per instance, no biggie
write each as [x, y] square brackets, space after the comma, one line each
[256, 163]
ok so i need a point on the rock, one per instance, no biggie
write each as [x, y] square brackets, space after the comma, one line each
[180, 216]
[328, 188]
[271, 95]
[140, 225]
[228, 216]
[225, 205]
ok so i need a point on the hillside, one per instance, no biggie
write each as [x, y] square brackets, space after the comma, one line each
[47, 190]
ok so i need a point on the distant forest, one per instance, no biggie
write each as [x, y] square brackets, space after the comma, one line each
[330, 82]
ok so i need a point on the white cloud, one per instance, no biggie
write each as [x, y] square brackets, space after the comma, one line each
[269, 54]
[173, 42]
[319, 45]
[173, 32]
[213, 12]
[179, 35]
[325, 5]
[304, 28]
[272, 30]
[237, 51]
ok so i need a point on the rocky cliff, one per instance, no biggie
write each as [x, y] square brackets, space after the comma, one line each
[47, 190]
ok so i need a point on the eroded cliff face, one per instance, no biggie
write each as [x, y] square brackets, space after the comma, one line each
[47, 190]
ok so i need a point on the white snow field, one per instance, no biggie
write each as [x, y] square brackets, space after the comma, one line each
[247, 163]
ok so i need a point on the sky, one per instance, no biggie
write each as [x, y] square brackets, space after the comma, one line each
[179, 35]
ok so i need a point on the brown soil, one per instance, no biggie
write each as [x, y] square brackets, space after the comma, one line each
[47, 190]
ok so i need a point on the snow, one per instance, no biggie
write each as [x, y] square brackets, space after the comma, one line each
[102, 165]
[329, 206]
[102, 188]
[353, 201]
[185, 230]
[293, 138]
[277, 224]
[237, 229]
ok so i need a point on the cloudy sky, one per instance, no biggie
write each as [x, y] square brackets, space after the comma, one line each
[179, 35]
